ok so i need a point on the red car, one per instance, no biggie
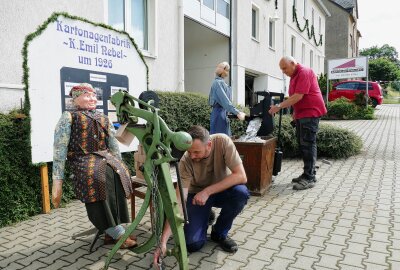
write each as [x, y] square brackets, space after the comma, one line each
[348, 89]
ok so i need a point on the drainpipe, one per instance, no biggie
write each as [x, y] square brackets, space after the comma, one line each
[284, 11]
[181, 48]
[230, 43]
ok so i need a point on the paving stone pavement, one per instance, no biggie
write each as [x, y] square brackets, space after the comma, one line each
[349, 220]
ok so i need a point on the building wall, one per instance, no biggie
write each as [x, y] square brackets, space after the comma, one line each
[17, 20]
[163, 65]
[339, 27]
[204, 49]
[303, 44]
[254, 55]
[20, 18]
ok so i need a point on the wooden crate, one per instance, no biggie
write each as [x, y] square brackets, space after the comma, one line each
[258, 162]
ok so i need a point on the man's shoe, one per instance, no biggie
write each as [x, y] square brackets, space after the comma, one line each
[227, 243]
[303, 184]
[297, 179]
[108, 240]
[211, 218]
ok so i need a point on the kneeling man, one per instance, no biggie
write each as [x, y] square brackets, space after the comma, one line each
[213, 176]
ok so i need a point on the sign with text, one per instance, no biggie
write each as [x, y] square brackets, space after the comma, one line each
[347, 68]
[69, 52]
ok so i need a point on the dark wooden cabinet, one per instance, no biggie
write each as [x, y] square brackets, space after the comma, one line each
[258, 162]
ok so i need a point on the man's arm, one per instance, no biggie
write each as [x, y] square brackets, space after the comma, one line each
[287, 103]
[237, 177]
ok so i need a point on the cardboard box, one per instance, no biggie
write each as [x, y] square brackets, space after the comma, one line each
[124, 136]
[140, 158]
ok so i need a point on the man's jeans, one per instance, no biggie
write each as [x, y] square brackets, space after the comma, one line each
[231, 202]
[306, 132]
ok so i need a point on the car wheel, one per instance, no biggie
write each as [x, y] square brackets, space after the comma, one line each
[374, 102]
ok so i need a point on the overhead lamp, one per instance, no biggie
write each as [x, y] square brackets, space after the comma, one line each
[275, 17]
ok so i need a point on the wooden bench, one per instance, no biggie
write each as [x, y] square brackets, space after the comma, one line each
[138, 183]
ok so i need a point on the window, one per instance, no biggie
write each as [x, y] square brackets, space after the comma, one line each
[303, 53]
[361, 86]
[319, 25]
[295, 4]
[304, 8]
[209, 3]
[293, 46]
[347, 86]
[139, 23]
[116, 14]
[133, 17]
[311, 59]
[271, 34]
[351, 42]
[312, 17]
[254, 22]
[223, 8]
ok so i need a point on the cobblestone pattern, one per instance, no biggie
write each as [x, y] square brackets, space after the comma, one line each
[349, 220]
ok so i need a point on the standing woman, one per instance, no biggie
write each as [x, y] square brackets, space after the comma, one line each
[220, 99]
[85, 137]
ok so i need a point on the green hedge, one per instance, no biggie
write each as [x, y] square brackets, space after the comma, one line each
[20, 187]
[183, 110]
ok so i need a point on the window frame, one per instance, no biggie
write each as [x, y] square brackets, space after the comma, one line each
[293, 46]
[271, 34]
[149, 40]
[257, 23]
[228, 2]
[214, 5]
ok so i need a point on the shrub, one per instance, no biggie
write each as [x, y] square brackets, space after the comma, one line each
[287, 137]
[340, 108]
[343, 108]
[395, 85]
[322, 83]
[182, 110]
[20, 195]
[337, 142]
[332, 142]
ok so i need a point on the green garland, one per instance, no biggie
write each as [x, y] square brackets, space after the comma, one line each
[310, 30]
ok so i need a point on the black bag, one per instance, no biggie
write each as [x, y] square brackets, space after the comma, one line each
[278, 152]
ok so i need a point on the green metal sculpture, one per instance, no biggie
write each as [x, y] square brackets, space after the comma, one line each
[157, 139]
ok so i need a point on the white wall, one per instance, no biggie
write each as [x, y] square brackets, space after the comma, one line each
[163, 66]
[195, 10]
[255, 55]
[22, 17]
[17, 20]
[204, 49]
[302, 37]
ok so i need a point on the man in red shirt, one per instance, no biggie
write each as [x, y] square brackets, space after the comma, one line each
[308, 106]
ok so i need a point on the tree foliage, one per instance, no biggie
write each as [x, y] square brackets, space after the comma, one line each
[386, 51]
[382, 69]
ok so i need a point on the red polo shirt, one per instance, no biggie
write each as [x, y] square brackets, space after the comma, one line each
[304, 81]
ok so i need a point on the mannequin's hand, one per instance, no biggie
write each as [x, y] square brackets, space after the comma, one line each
[56, 192]
[158, 254]
[241, 116]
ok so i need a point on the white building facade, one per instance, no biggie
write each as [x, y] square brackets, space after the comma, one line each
[183, 40]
